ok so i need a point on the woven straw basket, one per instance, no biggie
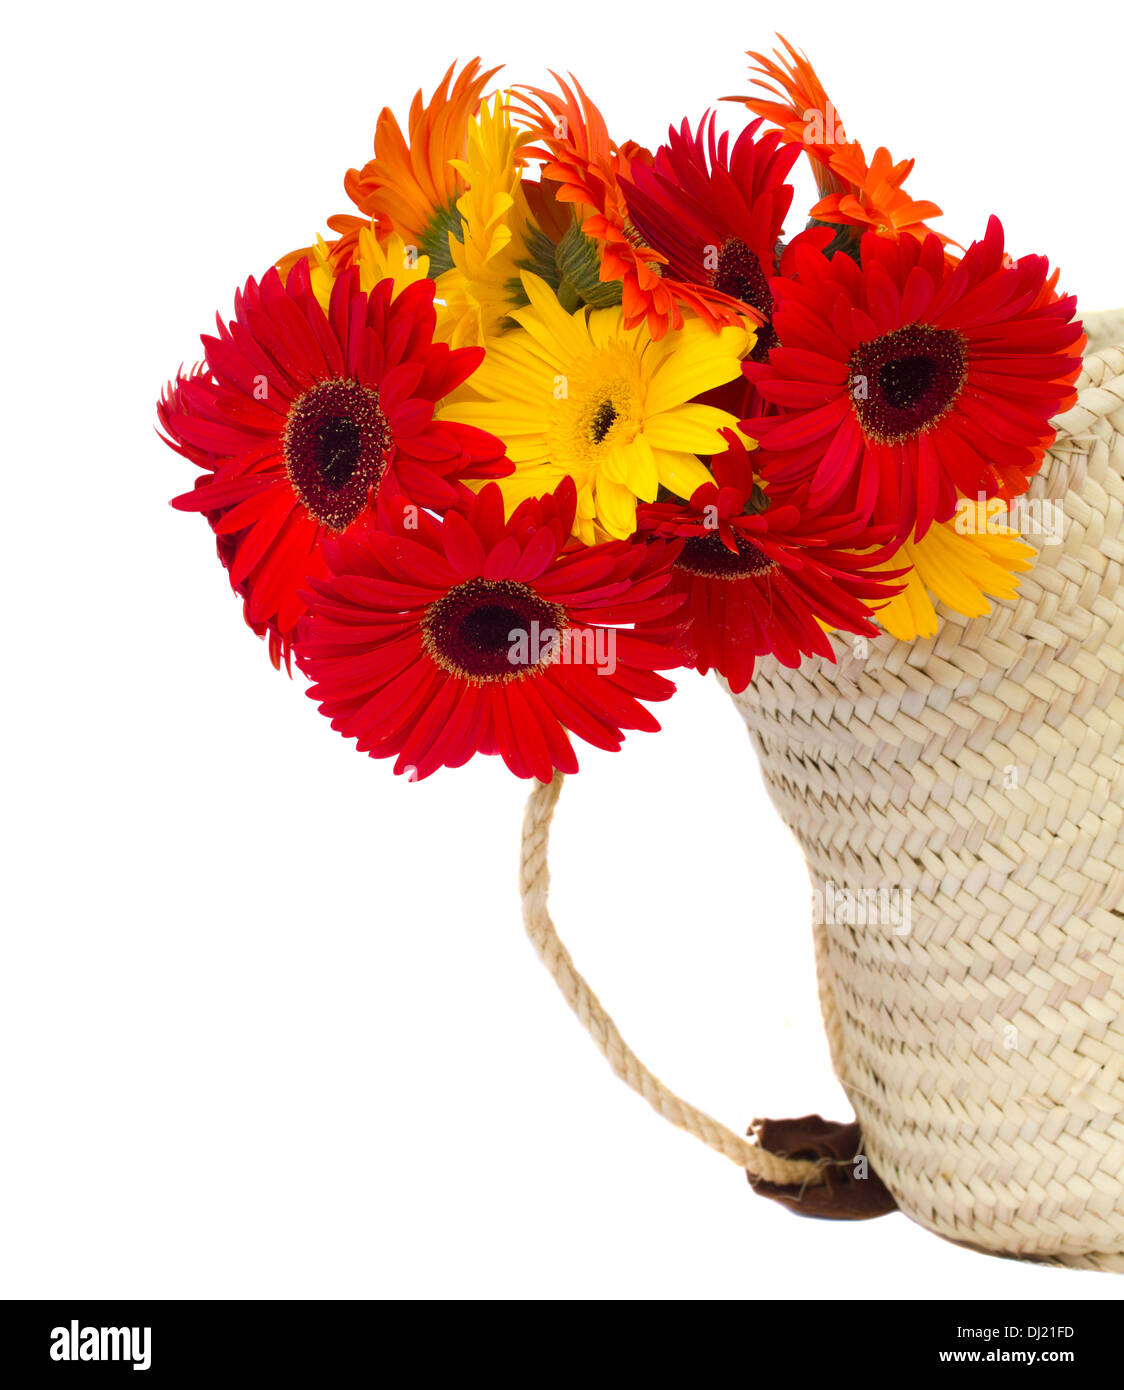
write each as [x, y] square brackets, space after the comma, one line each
[971, 785]
[979, 778]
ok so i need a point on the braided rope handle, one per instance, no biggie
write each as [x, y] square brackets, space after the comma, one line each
[534, 886]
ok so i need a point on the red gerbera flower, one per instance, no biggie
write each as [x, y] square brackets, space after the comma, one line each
[431, 640]
[914, 379]
[299, 417]
[716, 214]
[765, 581]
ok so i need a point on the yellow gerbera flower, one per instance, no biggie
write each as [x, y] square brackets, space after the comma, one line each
[580, 395]
[960, 563]
[389, 259]
[483, 286]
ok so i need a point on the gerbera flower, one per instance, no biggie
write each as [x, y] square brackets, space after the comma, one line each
[411, 186]
[588, 168]
[482, 286]
[301, 415]
[873, 198]
[960, 563]
[716, 214]
[431, 640]
[853, 193]
[764, 577]
[804, 114]
[910, 381]
[581, 395]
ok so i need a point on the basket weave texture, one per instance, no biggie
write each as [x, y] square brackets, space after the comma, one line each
[970, 790]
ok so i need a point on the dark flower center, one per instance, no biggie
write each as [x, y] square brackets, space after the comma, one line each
[711, 558]
[740, 275]
[906, 381]
[603, 421]
[338, 447]
[336, 438]
[492, 630]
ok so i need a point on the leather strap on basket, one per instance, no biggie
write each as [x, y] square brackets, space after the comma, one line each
[802, 1162]
[851, 1190]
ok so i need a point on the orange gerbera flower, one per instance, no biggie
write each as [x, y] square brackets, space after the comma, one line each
[853, 192]
[588, 167]
[874, 200]
[805, 114]
[410, 186]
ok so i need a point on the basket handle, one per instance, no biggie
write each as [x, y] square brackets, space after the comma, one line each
[534, 883]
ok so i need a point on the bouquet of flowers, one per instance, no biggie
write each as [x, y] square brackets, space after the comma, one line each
[548, 415]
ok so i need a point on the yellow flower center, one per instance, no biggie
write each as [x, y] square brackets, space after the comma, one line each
[600, 412]
[603, 417]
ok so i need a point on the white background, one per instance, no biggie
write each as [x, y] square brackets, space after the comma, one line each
[268, 1023]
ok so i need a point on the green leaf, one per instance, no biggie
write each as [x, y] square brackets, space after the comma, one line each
[435, 239]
